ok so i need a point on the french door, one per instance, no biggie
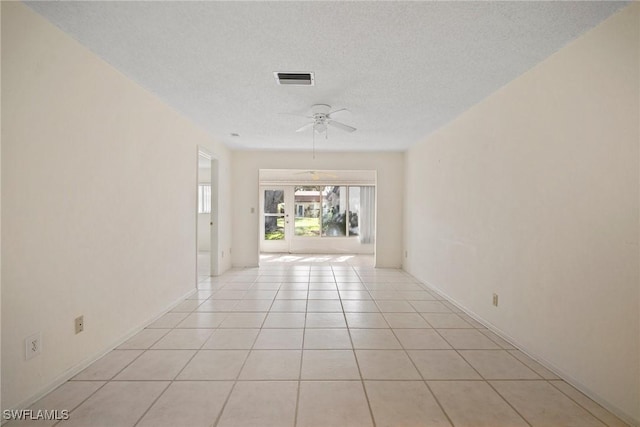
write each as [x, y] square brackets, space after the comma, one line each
[276, 228]
[316, 218]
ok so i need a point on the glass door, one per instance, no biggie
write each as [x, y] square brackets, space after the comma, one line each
[275, 225]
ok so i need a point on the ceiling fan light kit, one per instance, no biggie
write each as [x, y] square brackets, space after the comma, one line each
[321, 115]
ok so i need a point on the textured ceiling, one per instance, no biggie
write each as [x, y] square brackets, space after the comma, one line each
[403, 69]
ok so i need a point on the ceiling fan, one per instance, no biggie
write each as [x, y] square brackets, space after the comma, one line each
[321, 116]
[317, 175]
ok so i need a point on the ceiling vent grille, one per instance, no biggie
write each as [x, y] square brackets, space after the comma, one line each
[294, 78]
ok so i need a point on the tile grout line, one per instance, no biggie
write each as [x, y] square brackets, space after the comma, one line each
[423, 379]
[81, 403]
[304, 330]
[180, 371]
[152, 403]
[504, 399]
[235, 382]
[550, 382]
[366, 395]
[484, 379]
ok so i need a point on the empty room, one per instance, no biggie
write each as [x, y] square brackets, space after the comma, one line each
[318, 214]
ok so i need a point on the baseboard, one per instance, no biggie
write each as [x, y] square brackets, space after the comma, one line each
[547, 364]
[70, 373]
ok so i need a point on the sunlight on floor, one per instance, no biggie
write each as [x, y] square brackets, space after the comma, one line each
[352, 260]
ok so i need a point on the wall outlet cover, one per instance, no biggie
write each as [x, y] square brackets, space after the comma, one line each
[79, 322]
[33, 345]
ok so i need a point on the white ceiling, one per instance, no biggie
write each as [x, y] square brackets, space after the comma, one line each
[403, 69]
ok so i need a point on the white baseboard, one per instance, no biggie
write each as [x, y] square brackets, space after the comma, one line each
[547, 364]
[70, 373]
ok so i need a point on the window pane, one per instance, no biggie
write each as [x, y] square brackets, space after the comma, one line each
[354, 211]
[273, 228]
[307, 211]
[334, 217]
[273, 201]
[274, 215]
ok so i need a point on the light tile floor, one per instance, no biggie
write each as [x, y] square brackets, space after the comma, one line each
[318, 341]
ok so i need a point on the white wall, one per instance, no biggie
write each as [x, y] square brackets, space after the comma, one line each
[98, 203]
[245, 167]
[533, 194]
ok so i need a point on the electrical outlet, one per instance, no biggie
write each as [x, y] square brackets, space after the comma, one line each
[406, 254]
[495, 300]
[79, 324]
[222, 254]
[33, 345]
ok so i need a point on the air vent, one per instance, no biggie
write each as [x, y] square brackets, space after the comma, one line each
[291, 78]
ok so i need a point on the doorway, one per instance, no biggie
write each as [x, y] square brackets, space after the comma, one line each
[206, 216]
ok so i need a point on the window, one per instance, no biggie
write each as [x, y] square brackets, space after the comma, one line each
[307, 211]
[204, 198]
[332, 211]
[334, 214]
[354, 211]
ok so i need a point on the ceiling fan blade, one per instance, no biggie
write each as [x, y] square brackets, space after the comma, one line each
[328, 175]
[336, 111]
[305, 127]
[341, 126]
[313, 174]
[316, 175]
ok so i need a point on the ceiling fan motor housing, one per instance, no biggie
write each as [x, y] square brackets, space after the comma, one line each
[320, 117]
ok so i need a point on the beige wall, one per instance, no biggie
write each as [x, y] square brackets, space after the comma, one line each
[246, 165]
[98, 204]
[1, 406]
[533, 194]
